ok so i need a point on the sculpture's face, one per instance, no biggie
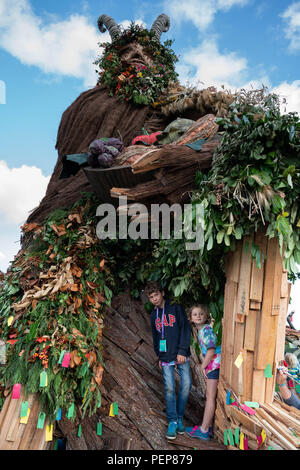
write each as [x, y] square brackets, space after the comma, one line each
[135, 54]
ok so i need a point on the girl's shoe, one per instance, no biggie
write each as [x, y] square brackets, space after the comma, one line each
[196, 432]
[180, 428]
[171, 431]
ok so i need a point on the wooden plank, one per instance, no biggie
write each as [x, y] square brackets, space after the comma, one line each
[284, 442]
[280, 415]
[278, 274]
[266, 338]
[270, 386]
[237, 374]
[228, 330]
[247, 366]
[232, 265]
[280, 335]
[254, 305]
[246, 420]
[258, 386]
[242, 306]
[284, 291]
[250, 331]
[257, 274]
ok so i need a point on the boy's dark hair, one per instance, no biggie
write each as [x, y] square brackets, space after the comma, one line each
[152, 286]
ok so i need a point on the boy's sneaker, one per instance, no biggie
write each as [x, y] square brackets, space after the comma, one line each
[180, 428]
[196, 432]
[171, 432]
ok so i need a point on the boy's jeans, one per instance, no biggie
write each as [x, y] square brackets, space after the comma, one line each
[175, 408]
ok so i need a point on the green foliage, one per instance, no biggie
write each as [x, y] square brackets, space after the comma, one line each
[139, 83]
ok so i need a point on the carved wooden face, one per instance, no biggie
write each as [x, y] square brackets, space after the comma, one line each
[134, 54]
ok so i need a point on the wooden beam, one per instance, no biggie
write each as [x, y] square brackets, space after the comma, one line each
[242, 306]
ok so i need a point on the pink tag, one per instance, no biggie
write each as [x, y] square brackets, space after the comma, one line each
[248, 410]
[245, 443]
[16, 391]
[234, 403]
[66, 360]
[259, 441]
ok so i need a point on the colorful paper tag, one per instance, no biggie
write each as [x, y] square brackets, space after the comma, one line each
[24, 419]
[225, 437]
[16, 391]
[111, 410]
[58, 415]
[10, 320]
[43, 379]
[252, 404]
[70, 412]
[239, 360]
[237, 436]
[41, 420]
[248, 410]
[49, 433]
[99, 429]
[268, 372]
[163, 345]
[79, 431]
[242, 441]
[24, 408]
[115, 408]
[230, 435]
[66, 360]
[245, 443]
[228, 397]
[61, 356]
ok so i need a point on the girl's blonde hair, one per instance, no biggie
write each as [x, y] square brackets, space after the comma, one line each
[291, 360]
[204, 308]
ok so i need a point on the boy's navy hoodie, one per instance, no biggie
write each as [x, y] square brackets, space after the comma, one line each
[177, 331]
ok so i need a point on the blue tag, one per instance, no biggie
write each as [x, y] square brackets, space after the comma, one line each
[58, 416]
[163, 345]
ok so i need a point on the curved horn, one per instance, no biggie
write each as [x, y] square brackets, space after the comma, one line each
[160, 25]
[111, 25]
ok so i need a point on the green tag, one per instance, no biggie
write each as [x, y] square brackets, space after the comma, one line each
[230, 435]
[70, 412]
[237, 436]
[43, 379]
[270, 448]
[225, 437]
[61, 356]
[79, 431]
[268, 372]
[297, 388]
[115, 408]
[56, 445]
[41, 420]
[252, 404]
[99, 429]
[24, 409]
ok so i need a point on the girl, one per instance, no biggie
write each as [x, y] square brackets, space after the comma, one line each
[200, 319]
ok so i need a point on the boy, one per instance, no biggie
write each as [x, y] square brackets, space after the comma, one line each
[171, 334]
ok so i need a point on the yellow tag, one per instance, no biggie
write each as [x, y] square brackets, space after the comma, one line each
[263, 435]
[49, 433]
[111, 411]
[84, 396]
[242, 441]
[24, 420]
[10, 320]
[239, 360]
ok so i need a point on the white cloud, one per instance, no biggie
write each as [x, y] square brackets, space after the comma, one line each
[201, 13]
[21, 190]
[291, 93]
[292, 30]
[66, 47]
[228, 68]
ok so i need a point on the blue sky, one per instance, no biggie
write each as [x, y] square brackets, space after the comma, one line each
[46, 54]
